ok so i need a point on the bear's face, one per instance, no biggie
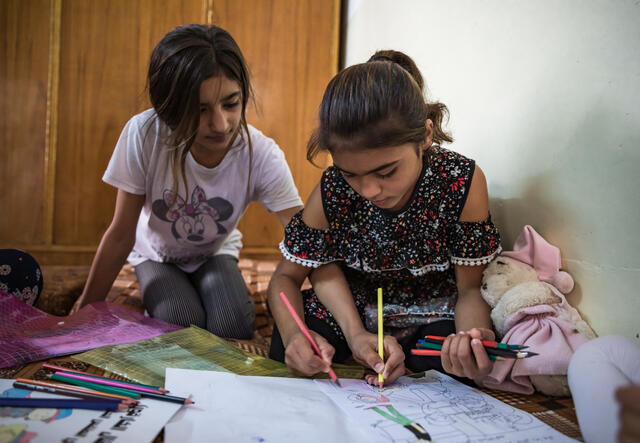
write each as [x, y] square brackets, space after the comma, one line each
[503, 274]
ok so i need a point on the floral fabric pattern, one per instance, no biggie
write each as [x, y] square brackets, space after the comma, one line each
[20, 275]
[408, 253]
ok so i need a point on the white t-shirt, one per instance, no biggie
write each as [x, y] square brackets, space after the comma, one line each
[188, 228]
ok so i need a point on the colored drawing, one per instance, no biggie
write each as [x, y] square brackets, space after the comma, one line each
[141, 422]
[17, 433]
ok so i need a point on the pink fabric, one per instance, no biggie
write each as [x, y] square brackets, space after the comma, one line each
[554, 339]
[535, 251]
[28, 334]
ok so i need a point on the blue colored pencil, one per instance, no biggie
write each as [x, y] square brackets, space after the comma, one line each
[59, 403]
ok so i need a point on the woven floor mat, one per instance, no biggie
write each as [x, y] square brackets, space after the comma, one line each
[66, 283]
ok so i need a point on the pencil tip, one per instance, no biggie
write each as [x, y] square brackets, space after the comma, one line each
[188, 401]
[338, 383]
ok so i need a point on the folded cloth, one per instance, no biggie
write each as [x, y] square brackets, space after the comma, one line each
[545, 329]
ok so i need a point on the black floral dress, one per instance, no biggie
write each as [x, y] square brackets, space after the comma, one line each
[409, 253]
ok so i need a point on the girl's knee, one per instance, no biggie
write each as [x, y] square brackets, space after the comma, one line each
[178, 315]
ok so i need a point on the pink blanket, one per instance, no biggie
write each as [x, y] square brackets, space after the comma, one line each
[540, 328]
[28, 334]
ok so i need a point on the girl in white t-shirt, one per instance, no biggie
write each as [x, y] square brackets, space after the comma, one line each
[186, 170]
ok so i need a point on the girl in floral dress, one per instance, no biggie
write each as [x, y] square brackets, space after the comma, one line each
[396, 211]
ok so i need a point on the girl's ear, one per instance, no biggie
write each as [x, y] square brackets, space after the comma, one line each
[429, 140]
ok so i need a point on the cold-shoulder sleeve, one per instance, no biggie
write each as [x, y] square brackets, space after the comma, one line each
[308, 246]
[474, 243]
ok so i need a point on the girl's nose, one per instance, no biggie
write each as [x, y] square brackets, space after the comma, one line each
[218, 122]
[370, 188]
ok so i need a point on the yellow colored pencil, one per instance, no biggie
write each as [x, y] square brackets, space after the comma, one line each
[380, 336]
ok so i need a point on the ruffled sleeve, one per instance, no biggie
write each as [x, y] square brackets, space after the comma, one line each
[308, 246]
[474, 243]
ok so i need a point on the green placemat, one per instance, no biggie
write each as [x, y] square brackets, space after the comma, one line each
[145, 361]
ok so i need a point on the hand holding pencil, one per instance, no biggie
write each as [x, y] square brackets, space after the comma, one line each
[307, 335]
[464, 355]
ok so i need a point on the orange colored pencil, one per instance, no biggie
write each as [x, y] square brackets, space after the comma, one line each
[76, 389]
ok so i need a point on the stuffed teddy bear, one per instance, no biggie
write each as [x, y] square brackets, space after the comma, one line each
[525, 289]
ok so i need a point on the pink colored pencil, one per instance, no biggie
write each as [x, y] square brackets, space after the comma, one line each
[101, 381]
[304, 330]
[60, 368]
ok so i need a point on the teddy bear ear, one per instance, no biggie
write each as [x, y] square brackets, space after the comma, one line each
[563, 281]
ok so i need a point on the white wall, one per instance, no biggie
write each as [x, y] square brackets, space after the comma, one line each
[542, 95]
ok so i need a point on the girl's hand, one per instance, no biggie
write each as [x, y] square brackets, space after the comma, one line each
[300, 357]
[464, 355]
[364, 347]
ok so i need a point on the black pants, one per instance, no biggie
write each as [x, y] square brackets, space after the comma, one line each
[412, 362]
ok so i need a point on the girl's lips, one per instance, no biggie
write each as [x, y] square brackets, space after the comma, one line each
[217, 138]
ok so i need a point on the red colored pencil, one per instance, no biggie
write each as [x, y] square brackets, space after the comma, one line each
[434, 353]
[304, 330]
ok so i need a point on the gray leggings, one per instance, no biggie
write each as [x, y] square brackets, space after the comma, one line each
[214, 297]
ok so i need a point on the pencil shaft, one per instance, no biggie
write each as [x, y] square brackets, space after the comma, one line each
[59, 403]
[306, 333]
[96, 386]
[485, 343]
[431, 343]
[164, 397]
[436, 353]
[107, 382]
[380, 334]
[73, 388]
[128, 383]
[60, 368]
[61, 391]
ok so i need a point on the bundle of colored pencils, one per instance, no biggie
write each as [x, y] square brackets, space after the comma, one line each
[431, 346]
[94, 392]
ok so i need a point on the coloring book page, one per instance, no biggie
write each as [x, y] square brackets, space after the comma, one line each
[138, 424]
[439, 408]
[272, 409]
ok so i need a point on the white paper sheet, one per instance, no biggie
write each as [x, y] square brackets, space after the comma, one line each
[137, 425]
[237, 408]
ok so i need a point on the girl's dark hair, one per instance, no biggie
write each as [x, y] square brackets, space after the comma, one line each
[180, 62]
[376, 104]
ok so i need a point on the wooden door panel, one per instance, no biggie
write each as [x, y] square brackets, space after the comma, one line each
[292, 50]
[103, 66]
[24, 64]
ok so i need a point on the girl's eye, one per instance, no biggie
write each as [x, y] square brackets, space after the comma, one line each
[231, 105]
[347, 175]
[203, 110]
[388, 174]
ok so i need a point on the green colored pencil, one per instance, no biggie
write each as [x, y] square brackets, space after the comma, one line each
[95, 386]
